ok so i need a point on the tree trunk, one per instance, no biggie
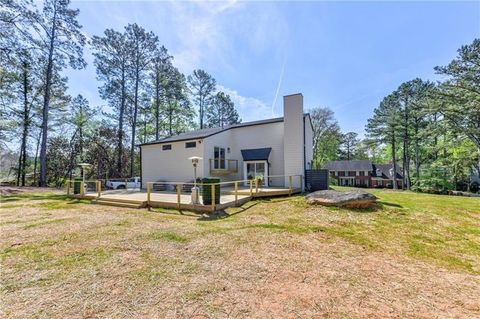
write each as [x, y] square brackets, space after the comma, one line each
[26, 123]
[134, 125]
[394, 160]
[120, 125]
[36, 159]
[157, 105]
[417, 155]
[46, 105]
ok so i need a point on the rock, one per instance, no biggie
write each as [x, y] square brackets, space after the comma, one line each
[351, 199]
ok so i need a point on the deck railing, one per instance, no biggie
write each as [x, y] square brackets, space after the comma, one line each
[239, 189]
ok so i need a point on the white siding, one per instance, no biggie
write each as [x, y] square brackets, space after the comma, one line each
[249, 137]
[169, 165]
[293, 136]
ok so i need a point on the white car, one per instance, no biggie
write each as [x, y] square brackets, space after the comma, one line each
[127, 183]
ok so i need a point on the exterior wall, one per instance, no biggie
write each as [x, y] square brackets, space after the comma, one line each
[308, 142]
[293, 139]
[169, 165]
[250, 137]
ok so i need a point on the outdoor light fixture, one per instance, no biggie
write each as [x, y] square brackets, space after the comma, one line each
[195, 160]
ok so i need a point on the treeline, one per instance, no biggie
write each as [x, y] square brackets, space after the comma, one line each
[429, 131]
[146, 96]
[432, 130]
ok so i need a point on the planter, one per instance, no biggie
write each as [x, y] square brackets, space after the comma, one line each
[207, 190]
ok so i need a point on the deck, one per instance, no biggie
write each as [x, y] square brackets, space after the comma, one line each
[136, 198]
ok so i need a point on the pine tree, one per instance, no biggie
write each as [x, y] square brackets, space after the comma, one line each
[222, 111]
[202, 86]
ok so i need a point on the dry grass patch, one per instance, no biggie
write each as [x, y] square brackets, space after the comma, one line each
[267, 259]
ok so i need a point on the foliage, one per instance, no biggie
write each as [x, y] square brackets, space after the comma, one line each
[221, 112]
[326, 136]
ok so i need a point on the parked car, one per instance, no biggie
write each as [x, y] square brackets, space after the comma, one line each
[128, 183]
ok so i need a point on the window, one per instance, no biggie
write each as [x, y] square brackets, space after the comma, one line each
[190, 144]
[166, 147]
[219, 158]
[362, 173]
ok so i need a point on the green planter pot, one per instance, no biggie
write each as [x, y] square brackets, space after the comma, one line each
[207, 190]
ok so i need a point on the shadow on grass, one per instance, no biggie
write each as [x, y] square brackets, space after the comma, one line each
[18, 197]
[221, 214]
[390, 204]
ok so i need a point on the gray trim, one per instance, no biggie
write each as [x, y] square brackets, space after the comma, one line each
[220, 130]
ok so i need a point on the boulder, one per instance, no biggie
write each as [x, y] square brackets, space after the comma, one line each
[351, 199]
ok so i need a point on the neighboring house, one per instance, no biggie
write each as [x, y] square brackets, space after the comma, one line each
[363, 173]
[273, 148]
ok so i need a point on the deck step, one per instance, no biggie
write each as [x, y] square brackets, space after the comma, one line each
[117, 203]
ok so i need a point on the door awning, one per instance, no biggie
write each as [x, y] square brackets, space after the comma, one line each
[256, 154]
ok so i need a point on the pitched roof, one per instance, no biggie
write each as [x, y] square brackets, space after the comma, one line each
[206, 132]
[256, 154]
[386, 171]
[354, 165]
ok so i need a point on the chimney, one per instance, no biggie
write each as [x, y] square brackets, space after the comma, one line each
[293, 139]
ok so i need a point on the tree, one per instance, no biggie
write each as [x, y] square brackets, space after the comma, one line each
[461, 92]
[326, 135]
[81, 115]
[222, 111]
[143, 46]
[349, 143]
[383, 127]
[111, 54]
[58, 35]
[202, 86]
[176, 110]
[161, 65]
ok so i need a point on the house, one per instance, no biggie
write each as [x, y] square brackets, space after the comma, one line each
[273, 149]
[363, 173]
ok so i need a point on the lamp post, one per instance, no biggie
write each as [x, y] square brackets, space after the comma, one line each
[84, 166]
[195, 160]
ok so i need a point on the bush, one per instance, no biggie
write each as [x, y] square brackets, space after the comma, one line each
[207, 190]
[474, 187]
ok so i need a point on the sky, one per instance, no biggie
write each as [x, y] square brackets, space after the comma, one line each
[343, 55]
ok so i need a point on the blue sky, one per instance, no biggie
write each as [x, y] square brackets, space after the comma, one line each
[344, 55]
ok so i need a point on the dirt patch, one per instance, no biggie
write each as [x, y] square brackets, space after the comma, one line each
[11, 190]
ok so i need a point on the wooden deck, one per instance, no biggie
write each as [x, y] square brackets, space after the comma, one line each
[136, 198]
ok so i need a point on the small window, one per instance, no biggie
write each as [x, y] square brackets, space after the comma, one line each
[166, 147]
[190, 144]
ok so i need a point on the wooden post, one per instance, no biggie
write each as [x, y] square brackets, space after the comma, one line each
[236, 193]
[250, 181]
[213, 197]
[256, 185]
[149, 190]
[82, 188]
[99, 188]
[179, 188]
[68, 188]
[126, 184]
[290, 184]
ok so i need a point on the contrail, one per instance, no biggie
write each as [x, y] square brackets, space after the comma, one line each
[279, 84]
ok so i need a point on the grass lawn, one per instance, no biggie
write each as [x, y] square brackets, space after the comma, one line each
[416, 255]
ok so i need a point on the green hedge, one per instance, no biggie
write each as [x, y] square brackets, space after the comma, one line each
[207, 190]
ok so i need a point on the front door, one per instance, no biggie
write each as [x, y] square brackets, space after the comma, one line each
[253, 169]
